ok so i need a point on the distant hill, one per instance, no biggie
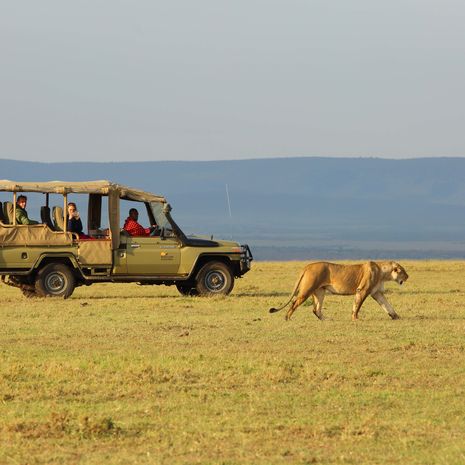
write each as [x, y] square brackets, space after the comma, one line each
[305, 208]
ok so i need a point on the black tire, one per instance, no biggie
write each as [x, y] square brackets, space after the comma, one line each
[55, 280]
[188, 289]
[214, 278]
[29, 294]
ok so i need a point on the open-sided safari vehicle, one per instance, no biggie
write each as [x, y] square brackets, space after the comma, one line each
[47, 260]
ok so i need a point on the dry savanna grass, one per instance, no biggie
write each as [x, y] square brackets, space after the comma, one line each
[127, 374]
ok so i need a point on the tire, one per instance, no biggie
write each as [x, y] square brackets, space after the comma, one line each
[187, 289]
[214, 278]
[55, 280]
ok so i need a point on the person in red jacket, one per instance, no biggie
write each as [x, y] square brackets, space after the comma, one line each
[132, 226]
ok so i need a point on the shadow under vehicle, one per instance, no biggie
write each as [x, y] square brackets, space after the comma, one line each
[47, 260]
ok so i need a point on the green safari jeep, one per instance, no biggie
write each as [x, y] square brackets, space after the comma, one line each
[46, 259]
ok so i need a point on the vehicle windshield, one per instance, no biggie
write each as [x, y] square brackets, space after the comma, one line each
[160, 217]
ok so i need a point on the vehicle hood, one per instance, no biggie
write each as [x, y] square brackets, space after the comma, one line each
[199, 241]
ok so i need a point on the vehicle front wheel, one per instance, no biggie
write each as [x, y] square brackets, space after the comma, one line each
[214, 278]
[55, 280]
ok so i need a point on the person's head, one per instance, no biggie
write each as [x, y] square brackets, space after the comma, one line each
[22, 201]
[133, 214]
[71, 208]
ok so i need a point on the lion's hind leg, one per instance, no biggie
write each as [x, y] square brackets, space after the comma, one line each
[305, 288]
[299, 300]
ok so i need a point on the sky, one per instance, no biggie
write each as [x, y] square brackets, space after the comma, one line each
[119, 80]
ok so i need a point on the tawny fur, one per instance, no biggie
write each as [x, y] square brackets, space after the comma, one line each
[361, 280]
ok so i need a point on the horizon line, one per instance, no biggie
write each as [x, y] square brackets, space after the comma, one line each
[361, 157]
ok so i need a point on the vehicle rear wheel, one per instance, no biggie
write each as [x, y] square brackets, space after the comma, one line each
[187, 289]
[55, 280]
[214, 278]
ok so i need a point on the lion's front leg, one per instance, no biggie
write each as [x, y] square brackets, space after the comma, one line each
[318, 298]
[360, 297]
[385, 305]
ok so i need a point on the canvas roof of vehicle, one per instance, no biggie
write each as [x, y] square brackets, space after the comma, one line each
[88, 187]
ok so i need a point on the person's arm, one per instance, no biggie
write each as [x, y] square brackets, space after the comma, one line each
[22, 218]
[79, 227]
[141, 231]
[135, 229]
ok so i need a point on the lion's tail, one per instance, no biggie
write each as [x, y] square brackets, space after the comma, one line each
[296, 288]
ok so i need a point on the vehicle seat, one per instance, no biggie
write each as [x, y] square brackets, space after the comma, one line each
[8, 212]
[58, 218]
[45, 217]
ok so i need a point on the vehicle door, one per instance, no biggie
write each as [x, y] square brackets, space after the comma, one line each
[152, 256]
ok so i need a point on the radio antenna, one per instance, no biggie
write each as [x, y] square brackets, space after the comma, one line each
[229, 207]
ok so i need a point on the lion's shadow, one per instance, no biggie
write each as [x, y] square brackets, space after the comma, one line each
[154, 296]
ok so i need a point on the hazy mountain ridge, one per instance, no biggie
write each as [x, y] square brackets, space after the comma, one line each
[334, 207]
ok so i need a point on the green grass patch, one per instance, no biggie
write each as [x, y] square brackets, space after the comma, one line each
[127, 374]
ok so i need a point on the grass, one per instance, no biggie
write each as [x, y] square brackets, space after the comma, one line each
[127, 374]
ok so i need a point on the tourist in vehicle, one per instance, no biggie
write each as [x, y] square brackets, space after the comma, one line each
[74, 223]
[132, 226]
[21, 213]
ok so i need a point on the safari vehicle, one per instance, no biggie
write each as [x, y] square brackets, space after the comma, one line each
[47, 260]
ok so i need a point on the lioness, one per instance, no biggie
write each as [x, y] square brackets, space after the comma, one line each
[362, 280]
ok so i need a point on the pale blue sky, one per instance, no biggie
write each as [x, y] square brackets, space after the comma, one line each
[210, 79]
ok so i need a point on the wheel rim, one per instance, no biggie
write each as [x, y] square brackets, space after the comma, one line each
[55, 283]
[215, 281]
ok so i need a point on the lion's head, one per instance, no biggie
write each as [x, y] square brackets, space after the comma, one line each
[398, 273]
